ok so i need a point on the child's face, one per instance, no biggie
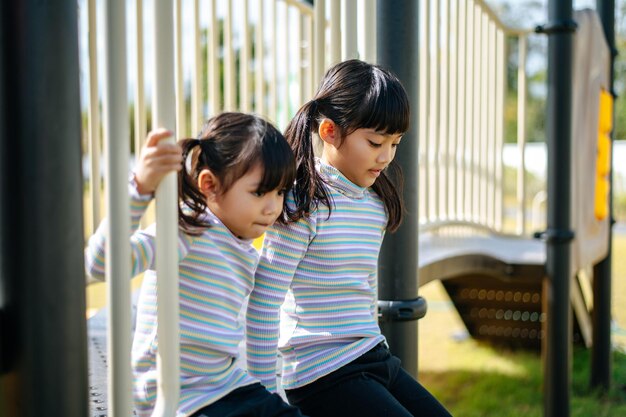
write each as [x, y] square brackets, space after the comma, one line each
[362, 155]
[246, 213]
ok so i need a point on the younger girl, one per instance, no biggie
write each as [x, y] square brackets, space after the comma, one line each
[231, 189]
[335, 359]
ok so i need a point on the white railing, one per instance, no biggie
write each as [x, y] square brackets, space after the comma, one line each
[462, 81]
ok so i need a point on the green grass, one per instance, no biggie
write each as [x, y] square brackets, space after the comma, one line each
[476, 379]
[492, 393]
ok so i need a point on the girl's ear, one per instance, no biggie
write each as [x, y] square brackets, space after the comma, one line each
[208, 184]
[328, 132]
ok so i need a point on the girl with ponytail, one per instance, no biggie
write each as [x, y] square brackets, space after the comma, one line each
[232, 181]
[321, 263]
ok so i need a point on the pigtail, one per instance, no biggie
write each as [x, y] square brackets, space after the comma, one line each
[308, 190]
[388, 187]
[192, 202]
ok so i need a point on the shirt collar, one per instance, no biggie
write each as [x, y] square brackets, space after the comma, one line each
[214, 222]
[334, 178]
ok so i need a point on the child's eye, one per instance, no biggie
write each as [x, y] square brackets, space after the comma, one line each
[258, 193]
[282, 192]
[395, 145]
[374, 144]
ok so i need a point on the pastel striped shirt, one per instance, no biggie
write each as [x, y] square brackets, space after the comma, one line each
[325, 268]
[216, 272]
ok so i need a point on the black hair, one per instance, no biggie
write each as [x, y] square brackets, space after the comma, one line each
[354, 95]
[229, 145]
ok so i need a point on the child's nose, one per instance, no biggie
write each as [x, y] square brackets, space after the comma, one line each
[272, 205]
[386, 154]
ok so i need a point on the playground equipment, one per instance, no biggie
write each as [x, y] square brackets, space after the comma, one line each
[495, 280]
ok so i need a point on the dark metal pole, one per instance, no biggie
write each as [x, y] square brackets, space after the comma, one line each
[557, 342]
[601, 316]
[42, 227]
[397, 32]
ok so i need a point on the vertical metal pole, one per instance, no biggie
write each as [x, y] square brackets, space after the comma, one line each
[168, 355]
[335, 32]
[521, 134]
[118, 266]
[601, 317]
[397, 32]
[140, 106]
[181, 107]
[42, 239]
[368, 30]
[349, 42]
[319, 41]
[557, 348]
[93, 111]
[6, 354]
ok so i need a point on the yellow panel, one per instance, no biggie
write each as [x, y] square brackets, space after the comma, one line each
[603, 161]
[605, 122]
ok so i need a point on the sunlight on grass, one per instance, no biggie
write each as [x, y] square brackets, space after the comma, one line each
[479, 380]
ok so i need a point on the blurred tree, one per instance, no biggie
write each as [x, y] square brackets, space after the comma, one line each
[527, 14]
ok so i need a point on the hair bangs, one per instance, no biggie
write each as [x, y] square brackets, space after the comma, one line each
[385, 107]
[279, 167]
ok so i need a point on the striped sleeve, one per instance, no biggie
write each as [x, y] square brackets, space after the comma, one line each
[283, 249]
[142, 242]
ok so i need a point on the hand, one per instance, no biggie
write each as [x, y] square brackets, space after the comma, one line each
[157, 159]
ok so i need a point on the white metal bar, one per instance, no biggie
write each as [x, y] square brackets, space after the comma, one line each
[244, 60]
[461, 109]
[476, 141]
[521, 135]
[95, 182]
[368, 29]
[118, 267]
[435, 78]
[469, 108]
[312, 80]
[273, 82]
[140, 106]
[501, 97]
[453, 98]
[230, 93]
[444, 112]
[424, 100]
[319, 44]
[306, 59]
[181, 116]
[484, 100]
[168, 359]
[335, 32]
[491, 128]
[213, 61]
[349, 44]
[300, 59]
[285, 46]
[259, 61]
[196, 75]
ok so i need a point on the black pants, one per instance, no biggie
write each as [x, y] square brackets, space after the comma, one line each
[372, 385]
[249, 401]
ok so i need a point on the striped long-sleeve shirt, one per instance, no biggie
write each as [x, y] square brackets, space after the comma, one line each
[216, 272]
[325, 268]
